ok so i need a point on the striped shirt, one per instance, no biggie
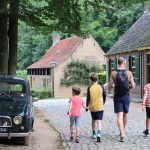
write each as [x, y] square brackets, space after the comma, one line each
[147, 102]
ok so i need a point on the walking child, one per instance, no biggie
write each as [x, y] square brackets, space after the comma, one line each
[95, 104]
[76, 102]
[146, 105]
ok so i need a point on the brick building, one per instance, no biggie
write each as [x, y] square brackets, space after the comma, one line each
[135, 46]
[49, 70]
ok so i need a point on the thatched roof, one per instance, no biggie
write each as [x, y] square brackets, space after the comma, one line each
[136, 37]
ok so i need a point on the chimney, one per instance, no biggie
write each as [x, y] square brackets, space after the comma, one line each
[146, 7]
[56, 38]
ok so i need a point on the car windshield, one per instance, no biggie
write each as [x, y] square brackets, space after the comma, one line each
[12, 89]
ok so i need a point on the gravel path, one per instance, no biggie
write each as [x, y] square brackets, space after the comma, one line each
[56, 112]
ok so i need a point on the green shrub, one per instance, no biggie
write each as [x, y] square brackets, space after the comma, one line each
[78, 72]
[22, 74]
[41, 93]
[104, 67]
[102, 78]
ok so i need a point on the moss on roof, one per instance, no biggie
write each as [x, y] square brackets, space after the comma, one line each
[137, 36]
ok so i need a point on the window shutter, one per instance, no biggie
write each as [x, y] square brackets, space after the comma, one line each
[137, 69]
[127, 63]
[108, 69]
[115, 64]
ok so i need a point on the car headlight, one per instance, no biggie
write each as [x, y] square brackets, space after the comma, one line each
[17, 119]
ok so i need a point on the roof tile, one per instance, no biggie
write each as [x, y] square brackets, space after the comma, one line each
[58, 52]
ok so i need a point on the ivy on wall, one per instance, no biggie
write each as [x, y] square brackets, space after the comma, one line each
[78, 72]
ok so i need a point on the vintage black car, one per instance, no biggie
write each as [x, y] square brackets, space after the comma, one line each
[16, 109]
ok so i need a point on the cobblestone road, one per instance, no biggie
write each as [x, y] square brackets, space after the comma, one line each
[56, 111]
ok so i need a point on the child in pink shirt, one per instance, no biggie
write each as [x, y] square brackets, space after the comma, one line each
[76, 102]
[146, 105]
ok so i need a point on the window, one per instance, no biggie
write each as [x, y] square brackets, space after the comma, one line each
[48, 72]
[148, 73]
[38, 72]
[43, 71]
[148, 68]
[32, 72]
[115, 64]
[134, 67]
[28, 72]
[148, 59]
[12, 89]
[110, 67]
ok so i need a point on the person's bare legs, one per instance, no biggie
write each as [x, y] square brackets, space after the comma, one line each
[71, 132]
[148, 123]
[124, 119]
[99, 124]
[94, 128]
[77, 134]
[77, 131]
[120, 123]
[93, 125]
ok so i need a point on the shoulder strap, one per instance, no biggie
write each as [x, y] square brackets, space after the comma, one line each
[104, 94]
[88, 96]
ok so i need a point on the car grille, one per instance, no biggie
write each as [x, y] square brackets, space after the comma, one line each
[5, 121]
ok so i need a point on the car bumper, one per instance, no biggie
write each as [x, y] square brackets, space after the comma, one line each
[10, 135]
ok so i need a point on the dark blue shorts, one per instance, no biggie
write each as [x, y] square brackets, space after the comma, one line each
[98, 115]
[121, 104]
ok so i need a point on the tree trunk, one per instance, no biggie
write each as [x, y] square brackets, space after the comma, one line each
[13, 36]
[3, 38]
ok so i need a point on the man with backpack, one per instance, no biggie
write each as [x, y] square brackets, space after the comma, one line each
[123, 82]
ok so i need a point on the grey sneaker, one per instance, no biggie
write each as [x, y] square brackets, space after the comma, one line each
[94, 136]
[99, 134]
[121, 139]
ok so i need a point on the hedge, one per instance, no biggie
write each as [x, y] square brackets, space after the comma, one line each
[102, 78]
[40, 94]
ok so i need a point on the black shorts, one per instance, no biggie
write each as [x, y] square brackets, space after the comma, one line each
[121, 104]
[98, 115]
[148, 112]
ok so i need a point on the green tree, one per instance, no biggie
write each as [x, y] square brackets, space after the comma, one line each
[47, 15]
[108, 23]
[32, 45]
[52, 15]
[3, 38]
[25, 47]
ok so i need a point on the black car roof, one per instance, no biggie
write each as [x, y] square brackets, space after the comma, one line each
[13, 79]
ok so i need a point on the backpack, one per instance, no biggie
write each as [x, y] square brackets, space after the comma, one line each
[122, 83]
